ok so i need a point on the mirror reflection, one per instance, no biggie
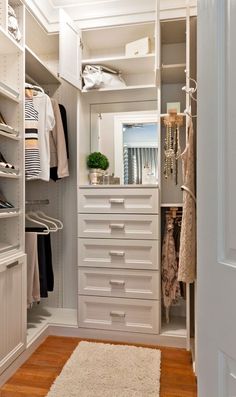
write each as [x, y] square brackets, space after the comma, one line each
[130, 140]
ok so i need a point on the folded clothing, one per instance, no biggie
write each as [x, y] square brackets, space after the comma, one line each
[13, 27]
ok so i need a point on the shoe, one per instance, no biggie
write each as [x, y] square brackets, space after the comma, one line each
[4, 164]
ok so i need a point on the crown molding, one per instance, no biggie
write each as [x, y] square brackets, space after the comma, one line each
[97, 13]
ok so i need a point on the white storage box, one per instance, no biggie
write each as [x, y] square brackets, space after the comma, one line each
[138, 47]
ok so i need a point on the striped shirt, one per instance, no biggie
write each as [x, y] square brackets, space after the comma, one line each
[32, 157]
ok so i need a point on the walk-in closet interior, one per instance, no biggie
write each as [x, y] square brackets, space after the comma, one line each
[103, 260]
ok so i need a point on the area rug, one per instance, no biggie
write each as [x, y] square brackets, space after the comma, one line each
[105, 370]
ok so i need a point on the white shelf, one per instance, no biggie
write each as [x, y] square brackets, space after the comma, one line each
[165, 205]
[172, 74]
[127, 65]
[7, 92]
[128, 87]
[39, 317]
[9, 136]
[7, 249]
[4, 215]
[37, 70]
[8, 44]
[9, 176]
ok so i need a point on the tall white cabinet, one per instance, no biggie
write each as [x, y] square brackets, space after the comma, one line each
[12, 258]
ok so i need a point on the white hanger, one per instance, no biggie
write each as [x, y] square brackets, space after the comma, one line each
[54, 228]
[51, 219]
[34, 87]
[47, 231]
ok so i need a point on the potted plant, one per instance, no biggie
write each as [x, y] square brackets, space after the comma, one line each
[97, 164]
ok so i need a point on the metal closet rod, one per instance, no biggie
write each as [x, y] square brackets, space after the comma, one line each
[37, 202]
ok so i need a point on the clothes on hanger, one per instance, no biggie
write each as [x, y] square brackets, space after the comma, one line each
[40, 255]
[187, 257]
[58, 148]
[46, 122]
[32, 158]
[169, 272]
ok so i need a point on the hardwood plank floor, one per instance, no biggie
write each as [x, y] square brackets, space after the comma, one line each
[34, 378]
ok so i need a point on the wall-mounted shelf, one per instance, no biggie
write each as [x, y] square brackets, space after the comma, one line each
[9, 213]
[8, 44]
[8, 176]
[167, 205]
[37, 70]
[9, 136]
[7, 92]
[128, 87]
[171, 74]
[9, 248]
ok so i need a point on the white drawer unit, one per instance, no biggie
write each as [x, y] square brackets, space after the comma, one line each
[118, 226]
[133, 315]
[119, 283]
[105, 200]
[127, 254]
[119, 251]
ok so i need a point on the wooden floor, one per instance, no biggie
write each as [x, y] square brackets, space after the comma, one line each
[35, 377]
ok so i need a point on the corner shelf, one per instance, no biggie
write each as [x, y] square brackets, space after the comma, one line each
[37, 70]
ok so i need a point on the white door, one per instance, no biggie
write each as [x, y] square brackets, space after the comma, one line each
[69, 50]
[216, 311]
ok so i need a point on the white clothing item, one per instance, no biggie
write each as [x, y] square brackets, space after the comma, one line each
[46, 122]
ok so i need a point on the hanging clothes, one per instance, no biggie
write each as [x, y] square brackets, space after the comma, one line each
[32, 155]
[187, 256]
[33, 286]
[58, 147]
[42, 104]
[170, 284]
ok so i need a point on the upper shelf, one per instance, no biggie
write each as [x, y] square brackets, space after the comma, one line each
[127, 65]
[8, 44]
[37, 70]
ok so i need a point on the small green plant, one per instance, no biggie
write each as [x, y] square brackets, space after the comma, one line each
[97, 160]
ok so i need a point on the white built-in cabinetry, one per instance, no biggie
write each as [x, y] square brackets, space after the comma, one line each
[12, 258]
[118, 264]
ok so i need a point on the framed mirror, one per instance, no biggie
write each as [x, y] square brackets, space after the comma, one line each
[128, 134]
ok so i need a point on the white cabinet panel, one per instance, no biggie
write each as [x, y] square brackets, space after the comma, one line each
[118, 200]
[119, 283]
[12, 311]
[128, 254]
[118, 226]
[69, 51]
[134, 315]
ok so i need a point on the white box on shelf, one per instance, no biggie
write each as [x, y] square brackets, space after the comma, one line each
[138, 47]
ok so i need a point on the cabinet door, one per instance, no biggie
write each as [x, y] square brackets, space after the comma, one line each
[69, 51]
[13, 312]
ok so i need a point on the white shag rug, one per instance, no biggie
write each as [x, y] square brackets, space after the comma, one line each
[105, 370]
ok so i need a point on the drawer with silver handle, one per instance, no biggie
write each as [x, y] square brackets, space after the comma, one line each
[127, 254]
[133, 315]
[119, 226]
[142, 284]
[118, 200]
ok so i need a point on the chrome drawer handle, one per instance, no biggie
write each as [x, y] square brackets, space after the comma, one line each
[117, 253]
[117, 201]
[117, 225]
[120, 283]
[13, 264]
[117, 314]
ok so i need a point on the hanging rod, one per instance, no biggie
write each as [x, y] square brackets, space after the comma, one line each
[37, 202]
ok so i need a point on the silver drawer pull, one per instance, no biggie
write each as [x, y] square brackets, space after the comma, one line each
[117, 225]
[117, 253]
[13, 264]
[119, 283]
[117, 314]
[117, 201]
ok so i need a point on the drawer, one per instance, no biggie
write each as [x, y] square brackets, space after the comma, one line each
[119, 226]
[142, 284]
[127, 254]
[115, 200]
[133, 315]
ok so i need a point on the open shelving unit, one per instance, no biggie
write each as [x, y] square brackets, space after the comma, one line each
[38, 70]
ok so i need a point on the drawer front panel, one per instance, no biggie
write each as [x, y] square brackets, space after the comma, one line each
[127, 254]
[133, 315]
[118, 226]
[119, 283]
[119, 200]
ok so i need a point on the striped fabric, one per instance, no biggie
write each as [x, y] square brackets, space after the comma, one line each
[32, 158]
